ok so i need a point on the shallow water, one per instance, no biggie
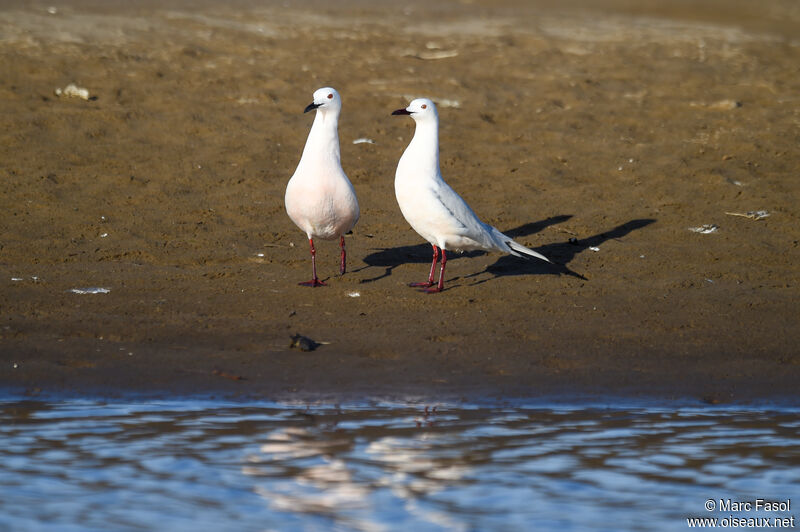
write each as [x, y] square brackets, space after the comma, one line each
[205, 465]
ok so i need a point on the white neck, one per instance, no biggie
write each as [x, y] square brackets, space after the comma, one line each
[323, 139]
[421, 157]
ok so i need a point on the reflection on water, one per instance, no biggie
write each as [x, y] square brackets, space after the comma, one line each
[191, 465]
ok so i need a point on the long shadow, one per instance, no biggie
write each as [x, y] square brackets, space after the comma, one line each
[561, 253]
[389, 258]
[535, 227]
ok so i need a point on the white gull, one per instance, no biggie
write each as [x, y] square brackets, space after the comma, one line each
[432, 207]
[320, 199]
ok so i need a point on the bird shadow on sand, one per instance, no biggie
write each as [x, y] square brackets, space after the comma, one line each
[389, 258]
[561, 253]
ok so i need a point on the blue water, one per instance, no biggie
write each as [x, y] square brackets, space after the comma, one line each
[188, 465]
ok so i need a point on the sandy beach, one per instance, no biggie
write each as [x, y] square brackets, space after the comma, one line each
[650, 150]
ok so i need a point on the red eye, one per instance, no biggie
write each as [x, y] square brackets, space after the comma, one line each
[330, 96]
[424, 105]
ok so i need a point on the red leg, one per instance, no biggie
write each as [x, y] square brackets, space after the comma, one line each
[342, 267]
[433, 269]
[314, 281]
[440, 286]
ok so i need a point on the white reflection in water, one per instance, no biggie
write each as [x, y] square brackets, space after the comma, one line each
[181, 465]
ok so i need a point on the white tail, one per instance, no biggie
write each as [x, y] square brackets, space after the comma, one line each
[521, 251]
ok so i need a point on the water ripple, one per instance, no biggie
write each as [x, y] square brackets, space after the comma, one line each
[201, 465]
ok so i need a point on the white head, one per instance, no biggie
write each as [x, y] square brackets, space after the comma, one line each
[325, 99]
[421, 110]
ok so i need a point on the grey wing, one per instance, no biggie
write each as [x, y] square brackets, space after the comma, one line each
[471, 230]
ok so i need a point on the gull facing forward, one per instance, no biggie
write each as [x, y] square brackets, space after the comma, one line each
[435, 210]
[320, 199]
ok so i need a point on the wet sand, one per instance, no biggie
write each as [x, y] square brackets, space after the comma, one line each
[596, 133]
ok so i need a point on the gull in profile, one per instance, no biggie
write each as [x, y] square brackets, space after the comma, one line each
[320, 199]
[432, 207]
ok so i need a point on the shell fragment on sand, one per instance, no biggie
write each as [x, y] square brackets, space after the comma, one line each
[705, 229]
[721, 105]
[73, 91]
[303, 343]
[90, 290]
[434, 54]
[753, 215]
